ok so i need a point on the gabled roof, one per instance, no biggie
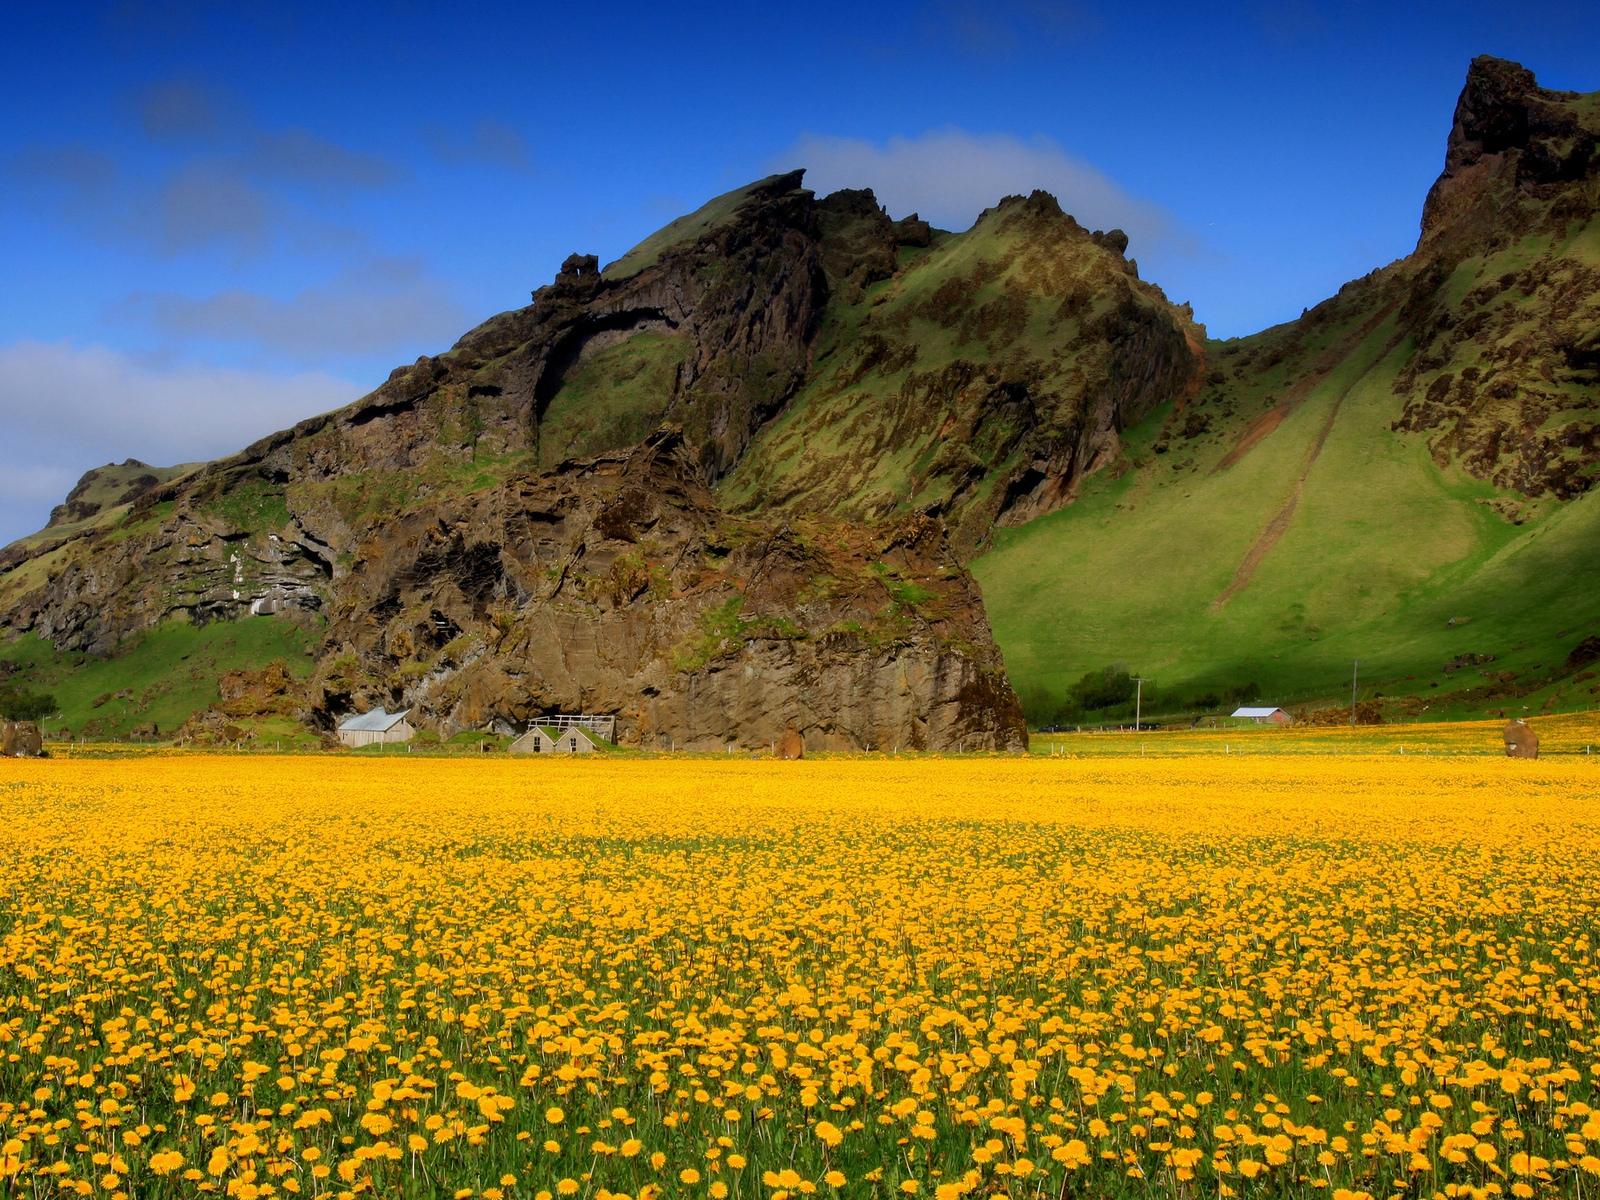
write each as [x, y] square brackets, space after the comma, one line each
[376, 721]
[1256, 712]
[554, 734]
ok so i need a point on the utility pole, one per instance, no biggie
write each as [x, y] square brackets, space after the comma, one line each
[1355, 674]
[1138, 700]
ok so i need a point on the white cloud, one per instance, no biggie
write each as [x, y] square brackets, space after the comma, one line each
[489, 143]
[950, 176]
[380, 307]
[29, 484]
[66, 408]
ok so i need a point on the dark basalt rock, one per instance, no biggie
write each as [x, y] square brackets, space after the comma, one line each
[1492, 377]
[1508, 134]
[20, 739]
[1113, 240]
[617, 585]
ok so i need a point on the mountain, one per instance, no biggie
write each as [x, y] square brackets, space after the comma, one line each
[980, 376]
[1404, 476]
[524, 525]
[751, 475]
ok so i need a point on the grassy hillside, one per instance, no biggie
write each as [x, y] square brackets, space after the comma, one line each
[169, 674]
[614, 398]
[1296, 528]
[1018, 341]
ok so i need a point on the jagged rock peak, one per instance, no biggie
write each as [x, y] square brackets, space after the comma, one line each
[1507, 128]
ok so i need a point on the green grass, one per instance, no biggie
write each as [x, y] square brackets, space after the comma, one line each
[1383, 550]
[614, 399]
[168, 675]
[900, 410]
[256, 506]
[685, 228]
[1561, 736]
[362, 496]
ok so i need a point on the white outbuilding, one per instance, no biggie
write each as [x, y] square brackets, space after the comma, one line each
[376, 726]
[542, 739]
[1274, 716]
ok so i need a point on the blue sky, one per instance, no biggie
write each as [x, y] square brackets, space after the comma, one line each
[218, 218]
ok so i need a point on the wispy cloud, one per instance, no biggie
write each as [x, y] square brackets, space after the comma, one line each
[226, 184]
[183, 111]
[379, 307]
[66, 408]
[950, 176]
[488, 143]
[1007, 27]
[221, 185]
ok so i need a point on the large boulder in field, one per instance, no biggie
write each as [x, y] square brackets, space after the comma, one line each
[21, 739]
[1521, 740]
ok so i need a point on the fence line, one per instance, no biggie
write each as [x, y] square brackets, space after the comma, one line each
[605, 726]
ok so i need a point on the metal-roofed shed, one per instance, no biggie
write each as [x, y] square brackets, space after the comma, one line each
[1275, 716]
[376, 726]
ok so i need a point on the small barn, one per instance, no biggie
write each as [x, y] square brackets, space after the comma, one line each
[1269, 716]
[376, 726]
[542, 739]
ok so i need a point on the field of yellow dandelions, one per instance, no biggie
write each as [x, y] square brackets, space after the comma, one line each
[938, 978]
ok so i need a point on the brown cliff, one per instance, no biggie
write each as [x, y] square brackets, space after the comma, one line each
[963, 379]
[1501, 299]
[617, 585]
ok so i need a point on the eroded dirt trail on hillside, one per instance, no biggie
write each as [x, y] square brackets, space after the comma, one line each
[1274, 416]
[1279, 524]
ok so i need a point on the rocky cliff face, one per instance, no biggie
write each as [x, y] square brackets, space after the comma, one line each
[979, 378]
[1501, 299]
[502, 530]
[616, 585]
[711, 332]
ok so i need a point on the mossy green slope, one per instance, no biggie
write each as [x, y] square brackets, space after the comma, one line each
[615, 398]
[1304, 523]
[170, 673]
[1019, 340]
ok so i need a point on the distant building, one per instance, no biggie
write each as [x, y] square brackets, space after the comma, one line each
[376, 726]
[546, 739]
[1274, 715]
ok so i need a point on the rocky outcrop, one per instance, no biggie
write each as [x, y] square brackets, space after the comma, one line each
[1508, 136]
[194, 564]
[982, 382]
[456, 528]
[736, 307]
[105, 486]
[617, 585]
[1503, 316]
[20, 739]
